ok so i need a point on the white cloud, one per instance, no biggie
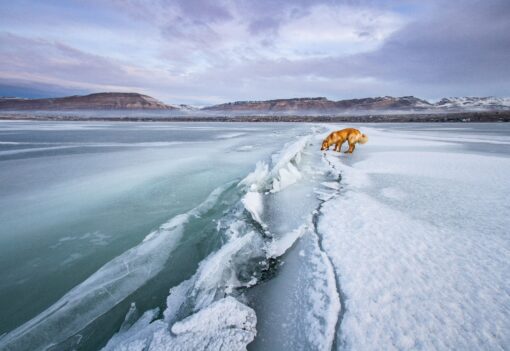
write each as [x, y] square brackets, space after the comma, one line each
[336, 31]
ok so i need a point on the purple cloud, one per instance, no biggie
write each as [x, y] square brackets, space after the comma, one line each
[201, 52]
[33, 58]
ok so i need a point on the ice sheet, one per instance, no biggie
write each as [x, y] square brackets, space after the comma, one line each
[300, 306]
[237, 265]
[105, 288]
[408, 250]
[253, 202]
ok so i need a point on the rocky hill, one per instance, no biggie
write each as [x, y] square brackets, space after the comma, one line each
[322, 104]
[99, 101]
[369, 105]
[318, 104]
[384, 103]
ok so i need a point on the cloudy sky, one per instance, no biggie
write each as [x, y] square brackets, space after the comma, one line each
[205, 52]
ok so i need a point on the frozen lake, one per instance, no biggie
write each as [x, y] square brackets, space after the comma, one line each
[262, 240]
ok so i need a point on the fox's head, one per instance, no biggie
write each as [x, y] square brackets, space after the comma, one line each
[325, 145]
[363, 139]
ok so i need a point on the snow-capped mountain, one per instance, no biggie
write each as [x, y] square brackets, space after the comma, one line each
[474, 103]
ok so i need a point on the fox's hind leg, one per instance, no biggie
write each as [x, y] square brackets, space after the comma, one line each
[351, 148]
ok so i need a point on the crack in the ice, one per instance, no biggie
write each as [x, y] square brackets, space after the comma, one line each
[315, 222]
[109, 293]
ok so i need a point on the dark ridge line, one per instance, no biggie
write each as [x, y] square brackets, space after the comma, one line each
[485, 116]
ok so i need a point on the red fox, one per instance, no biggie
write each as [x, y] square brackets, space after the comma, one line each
[351, 135]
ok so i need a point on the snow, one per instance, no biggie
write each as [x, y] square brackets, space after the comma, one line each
[420, 246]
[224, 325]
[474, 103]
[225, 313]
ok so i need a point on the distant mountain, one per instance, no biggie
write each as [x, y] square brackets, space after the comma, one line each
[377, 104]
[99, 101]
[322, 104]
[187, 108]
[296, 106]
[384, 103]
[474, 103]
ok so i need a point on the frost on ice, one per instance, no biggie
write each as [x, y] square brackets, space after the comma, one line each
[226, 324]
[419, 240]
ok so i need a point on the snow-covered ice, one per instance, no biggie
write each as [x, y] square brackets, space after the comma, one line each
[226, 324]
[419, 241]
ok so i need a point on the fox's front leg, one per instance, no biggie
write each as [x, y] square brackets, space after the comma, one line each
[338, 146]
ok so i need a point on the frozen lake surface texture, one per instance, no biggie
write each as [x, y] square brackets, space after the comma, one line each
[211, 236]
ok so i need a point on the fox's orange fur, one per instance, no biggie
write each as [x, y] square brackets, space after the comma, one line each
[337, 138]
